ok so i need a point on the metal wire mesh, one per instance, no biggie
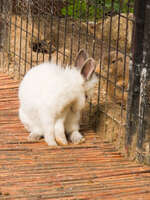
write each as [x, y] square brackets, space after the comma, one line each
[40, 30]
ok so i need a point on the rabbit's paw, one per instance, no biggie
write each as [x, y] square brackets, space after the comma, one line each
[60, 136]
[34, 137]
[76, 137]
[50, 141]
[61, 140]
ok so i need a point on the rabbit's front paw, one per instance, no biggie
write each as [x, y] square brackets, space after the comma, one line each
[76, 137]
[50, 141]
[60, 136]
[61, 140]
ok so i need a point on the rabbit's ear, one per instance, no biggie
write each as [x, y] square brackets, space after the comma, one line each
[80, 58]
[88, 68]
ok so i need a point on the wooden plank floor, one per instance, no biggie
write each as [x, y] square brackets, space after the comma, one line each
[91, 171]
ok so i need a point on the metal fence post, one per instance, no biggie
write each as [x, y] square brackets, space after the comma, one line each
[143, 136]
[138, 106]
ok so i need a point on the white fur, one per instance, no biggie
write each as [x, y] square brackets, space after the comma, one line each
[51, 99]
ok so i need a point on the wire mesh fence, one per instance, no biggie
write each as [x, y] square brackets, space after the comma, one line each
[39, 31]
[36, 31]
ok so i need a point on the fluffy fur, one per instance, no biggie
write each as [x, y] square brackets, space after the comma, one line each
[51, 99]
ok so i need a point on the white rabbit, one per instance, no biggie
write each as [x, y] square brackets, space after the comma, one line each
[52, 97]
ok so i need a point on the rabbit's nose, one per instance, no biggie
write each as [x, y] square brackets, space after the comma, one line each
[99, 68]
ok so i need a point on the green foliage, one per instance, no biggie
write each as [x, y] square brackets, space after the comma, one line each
[76, 9]
[121, 5]
[95, 8]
